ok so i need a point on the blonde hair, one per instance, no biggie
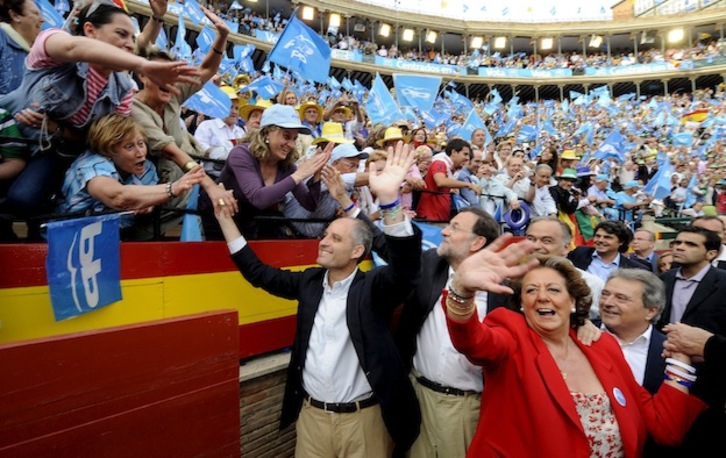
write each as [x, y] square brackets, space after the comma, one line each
[422, 151]
[261, 150]
[376, 155]
[108, 131]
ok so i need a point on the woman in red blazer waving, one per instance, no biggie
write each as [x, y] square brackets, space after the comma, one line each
[546, 394]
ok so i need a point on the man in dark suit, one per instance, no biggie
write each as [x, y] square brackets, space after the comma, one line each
[695, 295]
[715, 224]
[347, 386]
[612, 239]
[643, 245]
[448, 386]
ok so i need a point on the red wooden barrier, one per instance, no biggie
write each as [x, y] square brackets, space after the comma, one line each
[165, 388]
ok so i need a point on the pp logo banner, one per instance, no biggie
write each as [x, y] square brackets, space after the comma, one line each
[83, 265]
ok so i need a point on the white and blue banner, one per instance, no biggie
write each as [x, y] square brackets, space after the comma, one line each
[351, 56]
[416, 91]
[630, 69]
[267, 36]
[493, 72]
[302, 50]
[211, 101]
[83, 265]
[401, 64]
[265, 86]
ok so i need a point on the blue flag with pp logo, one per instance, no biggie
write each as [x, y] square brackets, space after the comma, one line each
[83, 265]
[416, 91]
[205, 39]
[472, 123]
[300, 49]
[265, 86]
[380, 106]
[211, 101]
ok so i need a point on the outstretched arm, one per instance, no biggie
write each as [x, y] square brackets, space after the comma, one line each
[387, 184]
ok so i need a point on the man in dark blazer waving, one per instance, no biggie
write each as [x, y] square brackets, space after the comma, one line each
[347, 386]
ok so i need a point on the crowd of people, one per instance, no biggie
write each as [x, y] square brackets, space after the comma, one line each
[577, 340]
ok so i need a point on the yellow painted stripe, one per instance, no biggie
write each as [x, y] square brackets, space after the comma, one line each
[26, 313]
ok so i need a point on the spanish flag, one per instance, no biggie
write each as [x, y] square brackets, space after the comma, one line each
[694, 116]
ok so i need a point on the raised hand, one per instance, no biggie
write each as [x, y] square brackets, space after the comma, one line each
[219, 24]
[313, 165]
[158, 7]
[334, 182]
[166, 74]
[486, 269]
[386, 184]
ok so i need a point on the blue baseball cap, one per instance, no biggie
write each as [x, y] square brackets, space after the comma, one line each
[346, 150]
[600, 178]
[283, 116]
[632, 184]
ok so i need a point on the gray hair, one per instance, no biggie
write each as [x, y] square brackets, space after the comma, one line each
[362, 235]
[566, 231]
[653, 288]
[542, 167]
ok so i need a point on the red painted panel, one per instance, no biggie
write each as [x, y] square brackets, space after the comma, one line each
[266, 336]
[24, 264]
[144, 389]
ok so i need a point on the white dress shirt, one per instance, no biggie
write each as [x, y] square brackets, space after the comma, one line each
[543, 203]
[437, 359]
[332, 371]
[635, 352]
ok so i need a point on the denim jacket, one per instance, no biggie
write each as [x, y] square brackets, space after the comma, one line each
[13, 57]
[60, 91]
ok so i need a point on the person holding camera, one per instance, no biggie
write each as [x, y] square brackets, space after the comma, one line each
[342, 111]
[567, 197]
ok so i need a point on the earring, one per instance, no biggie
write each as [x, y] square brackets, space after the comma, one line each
[267, 140]
[574, 310]
[521, 309]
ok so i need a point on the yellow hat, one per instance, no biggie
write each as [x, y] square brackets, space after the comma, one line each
[229, 90]
[568, 154]
[246, 110]
[347, 110]
[301, 110]
[332, 132]
[392, 134]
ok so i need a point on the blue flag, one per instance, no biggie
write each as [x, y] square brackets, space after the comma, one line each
[461, 103]
[416, 91]
[660, 185]
[300, 48]
[211, 101]
[62, 6]
[380, 105]
[347, 84]
[83, 264]
[161, 41]
[194, 12]
[53, 19]
[472, 123]
[191, 230]
[690, 196]
[181, 48]
[265, 86]
[495, 98]
[682, 139]
[333, 83]
[612, 147]
[527, 133]
[506, 128]
[205, 39]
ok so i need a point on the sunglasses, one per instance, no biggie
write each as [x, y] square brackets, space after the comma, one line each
[97, 3]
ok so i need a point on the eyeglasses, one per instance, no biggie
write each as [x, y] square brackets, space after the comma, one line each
[454, 227]
[350, 164]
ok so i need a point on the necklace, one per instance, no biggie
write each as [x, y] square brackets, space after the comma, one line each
[561, 362]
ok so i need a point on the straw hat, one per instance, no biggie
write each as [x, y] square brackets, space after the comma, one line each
[392, 134]
[301, 110]
[332, 132]
[347, 110]
[246, 110]
[568, 154]
[229, 90]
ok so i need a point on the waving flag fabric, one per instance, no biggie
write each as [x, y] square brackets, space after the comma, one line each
[299, 48]
[660, 185]
[181, 49]
[416, 91]
[380, 106]
[265, 86]
[612, 147]
[211, 101]
[472, 123]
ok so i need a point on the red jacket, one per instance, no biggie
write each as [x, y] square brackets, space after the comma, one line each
[527, 409]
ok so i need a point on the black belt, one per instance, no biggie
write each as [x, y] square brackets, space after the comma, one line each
[439, 388]
[341, 407]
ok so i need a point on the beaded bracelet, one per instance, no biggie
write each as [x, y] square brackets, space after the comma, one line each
[454, 309]
[391, 205]
[169, 191]
[456, 297]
